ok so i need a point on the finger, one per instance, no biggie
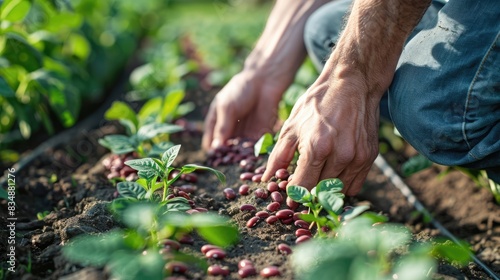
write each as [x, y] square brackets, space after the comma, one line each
[208, 133]
[282, 154]
[331, 169]
[224, 127]
[309, 168]
[353, 182]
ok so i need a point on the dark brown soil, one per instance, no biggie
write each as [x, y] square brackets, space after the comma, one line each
[70, 183]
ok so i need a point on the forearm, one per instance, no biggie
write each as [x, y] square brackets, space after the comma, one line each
[280, 50]
[372, 41]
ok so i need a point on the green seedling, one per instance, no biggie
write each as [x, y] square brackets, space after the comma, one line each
[136, 251]
[327, 196]
[41, 215]
[154, 174]
[415, 164]
[139, 138]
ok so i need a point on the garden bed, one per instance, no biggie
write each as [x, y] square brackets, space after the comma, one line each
[69, 182]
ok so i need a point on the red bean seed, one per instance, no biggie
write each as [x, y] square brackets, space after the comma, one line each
[260, 170]
[287, 221]
[192, 211]
[284, 214]
[284, 249]
[301, 224]
[302, 231]
[244, 189]
[282, 174]
[270, 271]
[304, 211]
[257, 178]
[247, 271]
[186, 239]
[244, 263]
[113, 174]
[183, 194]
[261, 193]
[272, 187]
[201, 209]
[291, 203]
[229, 193]
[273, 206]
[246, 176]
[207, 247]
[277, 197]
[247, 207]
[302, 239]
[170, 244]
[215, 254]
[245, 162]
[347, 208]
[252, 222]
[325, 228]
[170, 196]
[262, 214]
[176, 267]
[271, 219]
[217, 270]
[282, 185]
[188, 188]
[192, 178]
[247, 144]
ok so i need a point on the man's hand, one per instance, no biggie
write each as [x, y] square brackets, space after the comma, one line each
[334, 127]
[244, 107]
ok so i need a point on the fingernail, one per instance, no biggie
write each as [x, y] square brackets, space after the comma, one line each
[216, 143]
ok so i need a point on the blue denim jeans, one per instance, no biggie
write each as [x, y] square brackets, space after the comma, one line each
[445, 95]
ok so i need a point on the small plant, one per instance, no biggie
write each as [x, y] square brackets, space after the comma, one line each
[41, 215]
[327, 196]
[154, 174]
[142, 250]
[139, 136]
[415, 164]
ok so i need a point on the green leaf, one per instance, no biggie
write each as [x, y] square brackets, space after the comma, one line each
[146, 174]
[176, 204]
[15, 10]
[331, 201]
[94, 250]
[146, 164]
[63, 21]
[184, 109]
[118, 144]
[121, 111]
[5, 89]
[170, 104]
[158, 149]
[264, 144]
[221, 235]
[150, 109]
[141, 215]
[131, 189]
[152, 130]
[137, 265]
[415, 164]
[215, 229]
[354, 212]
[78, 46]
[452, 252]
[170, 155]
[19, 51]
[333, 185]
[188, 168]
[298, 194]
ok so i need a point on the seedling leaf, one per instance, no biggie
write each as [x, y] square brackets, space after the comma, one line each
[122, 112]
[118, 144]
[332, 185]
[188, 168]
[137, 265]
[298, 194]
[331, 201]
[169, 155]
[152, 130]
[146, 164]
[264, 144]
[354, 212]
[131, 190]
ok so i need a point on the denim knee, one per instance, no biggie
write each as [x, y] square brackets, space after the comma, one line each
[322, 30]
[445, 95]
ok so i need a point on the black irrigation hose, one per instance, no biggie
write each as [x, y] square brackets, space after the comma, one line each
[66, 135]
[389, 172]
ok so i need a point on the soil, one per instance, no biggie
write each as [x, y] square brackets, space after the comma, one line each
[70, 182]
